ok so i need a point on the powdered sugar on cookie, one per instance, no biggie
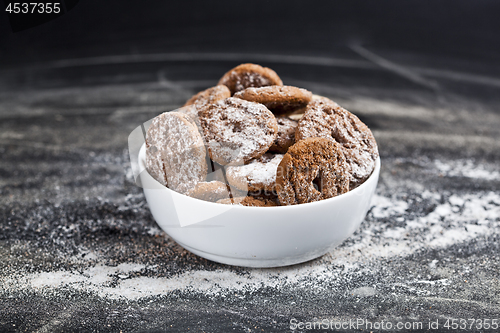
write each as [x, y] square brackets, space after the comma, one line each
[325, 119]
[175, 153]
[249, 75]
[237, 131]
[286, 135]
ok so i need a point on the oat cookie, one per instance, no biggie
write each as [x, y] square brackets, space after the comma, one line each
[313, 169]
[258, 175]
[248, 201]
[175, 154]
[237, 131]
[279, 99]
[209, 191]
[326, 120]
[249, 75]
[286, 135]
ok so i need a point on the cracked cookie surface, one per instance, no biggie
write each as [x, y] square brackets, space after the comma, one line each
[328, 120]
[237, 131]
[175, 154]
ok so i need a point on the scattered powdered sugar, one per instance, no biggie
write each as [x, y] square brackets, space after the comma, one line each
[384, 207]
[115, 282]
[237, 130]
[400, 223]
[467, 168]
[93, 277]
[175, 151]
[459, 218]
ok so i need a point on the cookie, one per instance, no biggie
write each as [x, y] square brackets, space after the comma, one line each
[313, 169]
[327, 120]
[248, 201]
[237, 131]
[258, 175]
[280, 100]
[175, 154]
[208, 96]
[297, 114]
[286, 135]
[209, 191]
[249, 75]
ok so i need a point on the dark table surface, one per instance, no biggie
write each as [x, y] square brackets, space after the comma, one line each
[79, 250]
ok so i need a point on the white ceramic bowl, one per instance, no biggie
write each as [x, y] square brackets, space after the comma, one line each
[257, 236]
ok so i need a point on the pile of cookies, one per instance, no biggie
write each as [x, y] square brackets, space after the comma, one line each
[253, 141]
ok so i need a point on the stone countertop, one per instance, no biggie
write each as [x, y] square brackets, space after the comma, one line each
[79, 250]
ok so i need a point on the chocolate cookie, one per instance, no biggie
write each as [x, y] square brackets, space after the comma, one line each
[208, 96]
[313, 169]
[279, 99]
[248, 201]
[209, 191]
[262, 194]
[249, 75]
[327, 120]
[237, 131]
[286, 135]
[175, 154]
[258, 175]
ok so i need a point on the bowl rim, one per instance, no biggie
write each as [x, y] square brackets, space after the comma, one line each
[375, 173]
